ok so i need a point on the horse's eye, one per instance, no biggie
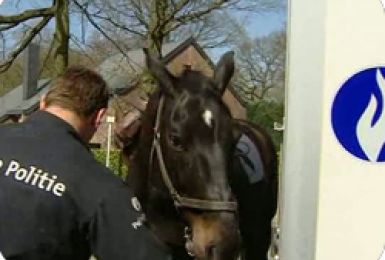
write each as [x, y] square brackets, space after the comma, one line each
[176, 142]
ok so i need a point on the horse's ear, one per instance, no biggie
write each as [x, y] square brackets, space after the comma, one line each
[160, 72]
[224, 71]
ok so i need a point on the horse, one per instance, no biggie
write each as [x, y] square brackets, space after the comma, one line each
[191, 185]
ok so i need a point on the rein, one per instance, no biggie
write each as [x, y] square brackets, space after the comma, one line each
[181, 201]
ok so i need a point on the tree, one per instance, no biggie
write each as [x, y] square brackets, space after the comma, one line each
[150, 21]
[155, 21]
[216, 30]
[261, 66]
[261, 6]
[260, 79]
[100, 48]
[266, 114]
[36, 20]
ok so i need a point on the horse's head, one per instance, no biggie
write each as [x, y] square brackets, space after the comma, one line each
[197, 140]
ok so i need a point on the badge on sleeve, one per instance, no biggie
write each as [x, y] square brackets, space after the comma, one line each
[136, 204]
[141, 219]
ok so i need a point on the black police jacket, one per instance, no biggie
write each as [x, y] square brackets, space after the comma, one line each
[57, 202]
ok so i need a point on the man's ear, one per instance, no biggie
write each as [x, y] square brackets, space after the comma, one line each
[98, 117]
[42, 104]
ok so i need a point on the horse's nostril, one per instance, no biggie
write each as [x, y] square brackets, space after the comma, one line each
[210, 251]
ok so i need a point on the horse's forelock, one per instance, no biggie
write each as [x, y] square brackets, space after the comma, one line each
[196, 82]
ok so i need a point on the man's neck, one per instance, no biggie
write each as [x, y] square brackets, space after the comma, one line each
[71, 118]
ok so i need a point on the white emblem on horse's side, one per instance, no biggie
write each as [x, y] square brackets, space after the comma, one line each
[208, 117]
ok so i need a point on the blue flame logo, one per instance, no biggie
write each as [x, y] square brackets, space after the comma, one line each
[358, 117]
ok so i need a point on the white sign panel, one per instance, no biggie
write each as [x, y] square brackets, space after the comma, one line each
[334, 151]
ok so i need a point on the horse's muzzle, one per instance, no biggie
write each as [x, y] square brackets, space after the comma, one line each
[214, 236]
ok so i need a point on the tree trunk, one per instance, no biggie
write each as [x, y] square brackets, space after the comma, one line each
[61, 37]
[158, 11]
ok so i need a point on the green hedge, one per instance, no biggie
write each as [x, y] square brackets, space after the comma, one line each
[265, 113]
[116, 163]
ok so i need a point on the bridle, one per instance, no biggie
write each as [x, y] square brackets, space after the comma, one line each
[181, 201]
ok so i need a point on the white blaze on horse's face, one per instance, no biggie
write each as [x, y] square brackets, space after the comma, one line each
[208, 117]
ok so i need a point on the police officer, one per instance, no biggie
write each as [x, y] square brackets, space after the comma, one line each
[56, 201]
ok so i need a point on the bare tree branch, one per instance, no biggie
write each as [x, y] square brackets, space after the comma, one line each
[7, 27]
[26, 15]
[191, 16]
[118, 25]
[45, 61]
[97, 27]
[139, 13]
[261, 66]
[24, 43]
[77, 42]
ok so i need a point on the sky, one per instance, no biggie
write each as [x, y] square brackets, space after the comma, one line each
[263, 24]
[256, 25]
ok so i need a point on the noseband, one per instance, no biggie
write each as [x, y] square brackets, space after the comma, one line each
[180, 201]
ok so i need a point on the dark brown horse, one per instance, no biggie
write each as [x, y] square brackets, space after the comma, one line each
[190, 180]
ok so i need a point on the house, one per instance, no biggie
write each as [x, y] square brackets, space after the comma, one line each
[122, 78]
[18, 103]
[24, 99]
[121, 72]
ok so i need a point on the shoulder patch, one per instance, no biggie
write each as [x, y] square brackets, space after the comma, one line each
[136, 204]
[139, 222]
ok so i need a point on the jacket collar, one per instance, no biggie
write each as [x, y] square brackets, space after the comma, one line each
[52, 122]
